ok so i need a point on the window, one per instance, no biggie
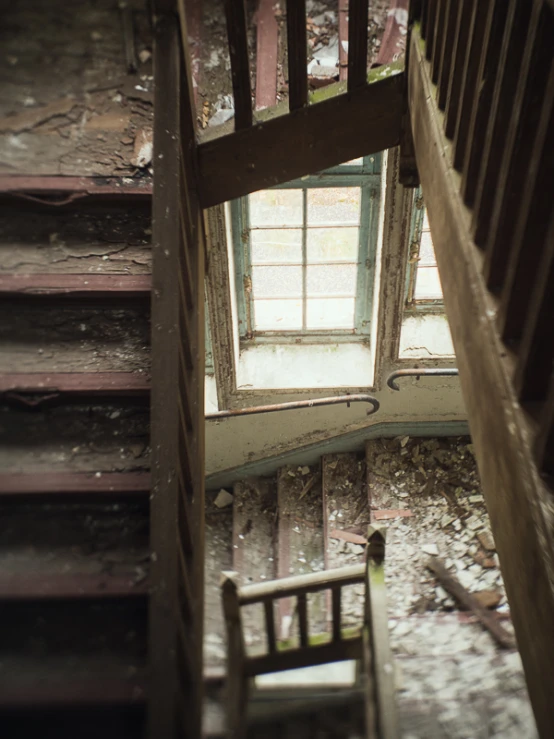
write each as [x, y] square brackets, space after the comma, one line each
[305, 256]
[423, 286]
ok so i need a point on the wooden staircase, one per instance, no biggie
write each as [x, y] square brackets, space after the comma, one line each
[74, 484]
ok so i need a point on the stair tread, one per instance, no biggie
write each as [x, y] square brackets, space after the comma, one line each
[254, 522]
[17, 587]
[76, 285]
[86, 383]
[300, 538]
[79, 483]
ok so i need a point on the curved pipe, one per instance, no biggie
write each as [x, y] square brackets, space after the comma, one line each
[419, 372]
[298, 404]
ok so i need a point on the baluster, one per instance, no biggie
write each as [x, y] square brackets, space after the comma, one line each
[357, 43]
[297, 54]
[235, 14]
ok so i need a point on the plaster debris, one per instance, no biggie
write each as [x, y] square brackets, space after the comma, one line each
[223, 499]
[143, 148]
[431, 549]
[486, 540]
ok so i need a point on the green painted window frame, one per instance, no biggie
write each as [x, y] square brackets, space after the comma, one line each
[367, 176]
[411, 305]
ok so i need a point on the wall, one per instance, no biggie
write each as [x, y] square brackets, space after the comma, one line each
[233, 442]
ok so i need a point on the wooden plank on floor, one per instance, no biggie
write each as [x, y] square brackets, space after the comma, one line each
[300, 540]
[518, 501]
[324, 134]
[254, 558]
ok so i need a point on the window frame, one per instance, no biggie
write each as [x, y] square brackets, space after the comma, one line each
[367, 176]
[411, 304]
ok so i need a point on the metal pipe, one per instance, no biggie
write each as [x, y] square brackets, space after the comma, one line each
[419, 372]
[298, 404]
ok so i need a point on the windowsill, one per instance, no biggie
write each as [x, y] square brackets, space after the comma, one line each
[308, 366]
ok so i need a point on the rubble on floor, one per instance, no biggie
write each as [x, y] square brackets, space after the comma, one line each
[453, 680]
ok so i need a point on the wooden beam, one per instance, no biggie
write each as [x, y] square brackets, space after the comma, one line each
[321, 135]
[518, 501]
[297, 51]
[235, 14]
[357, 43]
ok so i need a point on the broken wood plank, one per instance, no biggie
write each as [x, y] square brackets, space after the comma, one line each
[465, 598]
[324, 134]
[348, 536]
[391, 514]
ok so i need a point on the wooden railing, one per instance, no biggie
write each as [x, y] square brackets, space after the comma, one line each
[370, 645]
[177, 399]
[492, 63]
[357, 117]
[481, 102]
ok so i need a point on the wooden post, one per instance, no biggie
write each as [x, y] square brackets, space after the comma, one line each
[381, 686]
[237, 682]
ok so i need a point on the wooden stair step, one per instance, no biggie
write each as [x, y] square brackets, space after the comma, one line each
[95, 485]
[18, 587]
[254, 556]
[70, 692]
[76, 285]
[345, 506]
[218, 558]
[300, 547]
[76, 383]
[94, 437]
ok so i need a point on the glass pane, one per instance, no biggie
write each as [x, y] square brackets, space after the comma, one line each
[428, 284]
[276, 245]
[426, 250]
[332, 244]
[337, 279]
[330, 313]
[276, 208]
[277, 315]
[277, 282]
[334, 206]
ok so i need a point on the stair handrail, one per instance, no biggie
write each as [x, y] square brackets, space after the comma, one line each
[295, 404]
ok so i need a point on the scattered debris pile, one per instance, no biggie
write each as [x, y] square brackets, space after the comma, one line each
[458, 670]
